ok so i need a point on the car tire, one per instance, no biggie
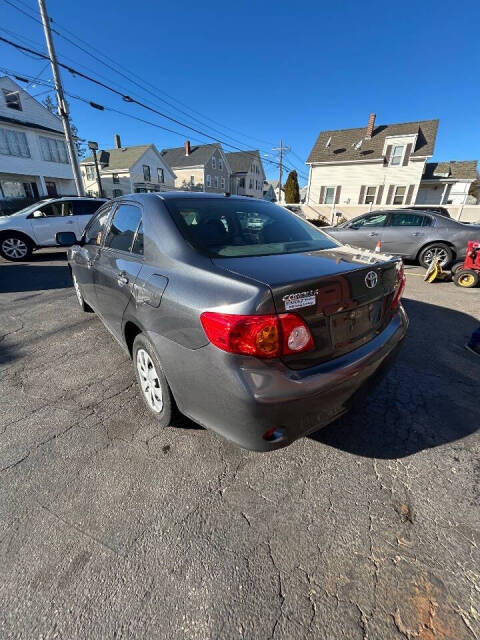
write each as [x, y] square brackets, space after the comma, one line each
[455, 267]
[466, 278]
[84, 306]
[15, 247]
[153, 384]
[428, 253]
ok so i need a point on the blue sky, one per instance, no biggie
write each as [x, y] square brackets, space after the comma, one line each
[266, 70]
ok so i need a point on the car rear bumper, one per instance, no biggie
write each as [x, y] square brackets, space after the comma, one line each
[243, 397]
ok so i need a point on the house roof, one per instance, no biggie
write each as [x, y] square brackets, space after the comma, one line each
[461, 170]
[31, 125]
[240, 161]
[199, 155]
[114, 159]
[343, 140]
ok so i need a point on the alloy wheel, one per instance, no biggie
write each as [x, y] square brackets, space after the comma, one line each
[149, 381]
[436, 252]
[15, 248]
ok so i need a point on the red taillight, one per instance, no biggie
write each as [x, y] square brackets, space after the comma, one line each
[400, 286]
[268, 336]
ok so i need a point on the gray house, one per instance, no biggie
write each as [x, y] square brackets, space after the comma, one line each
[199, 168]
[248, 174]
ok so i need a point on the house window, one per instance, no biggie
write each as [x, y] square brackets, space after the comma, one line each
[370, 194]
[13, 143]
[117, 193]
[192, 179]
[397, 155]
[115, 178]
[214, 163]
[90, 172]
[215, 182]
[241, 183]
[220, 164]
[209, 180]
[250, 183]
[222, 182]
[53, 150]
[146, 173]
[12, 99]
[160, 175]
[399, 195]
[329, 195]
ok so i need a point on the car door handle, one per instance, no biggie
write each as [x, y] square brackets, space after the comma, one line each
[122, 279]
[373, 233]
[418, 233]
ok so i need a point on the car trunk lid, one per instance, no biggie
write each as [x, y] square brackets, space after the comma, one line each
[344, 295]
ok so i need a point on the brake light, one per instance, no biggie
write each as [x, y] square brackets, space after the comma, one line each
[263, 336]
[400, 286]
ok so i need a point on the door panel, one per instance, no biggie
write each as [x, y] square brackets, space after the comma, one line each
[45, 229]
[404, 233]
[363, 232]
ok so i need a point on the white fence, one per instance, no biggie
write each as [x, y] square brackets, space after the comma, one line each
[465, 213]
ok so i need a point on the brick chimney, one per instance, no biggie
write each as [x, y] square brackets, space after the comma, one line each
[370, 125]
[187, 147]
[117, 142]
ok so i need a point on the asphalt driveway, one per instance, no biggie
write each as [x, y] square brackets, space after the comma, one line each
[110, 528]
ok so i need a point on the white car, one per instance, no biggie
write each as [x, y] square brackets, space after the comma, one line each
[36, 226]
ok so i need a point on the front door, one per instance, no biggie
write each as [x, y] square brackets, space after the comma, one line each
[117, 266]
[363, 232]
[404, 233]
[52, 221]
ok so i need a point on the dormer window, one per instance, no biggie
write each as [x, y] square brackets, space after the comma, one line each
[397, 155]
[12, 99]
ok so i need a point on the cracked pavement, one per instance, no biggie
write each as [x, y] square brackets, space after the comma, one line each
[112, 528]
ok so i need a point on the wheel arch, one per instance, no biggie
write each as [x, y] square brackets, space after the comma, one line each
[16, 232]
[130, 332]
[431, 242]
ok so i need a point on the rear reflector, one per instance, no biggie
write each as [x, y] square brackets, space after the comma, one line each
[263, 336]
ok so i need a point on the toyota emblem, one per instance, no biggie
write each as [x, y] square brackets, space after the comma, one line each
[371, 279]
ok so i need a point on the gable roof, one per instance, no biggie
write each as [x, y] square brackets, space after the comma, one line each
[240, 161]
[461, 170]
[199, 155]
[343, 141]
[123, 158]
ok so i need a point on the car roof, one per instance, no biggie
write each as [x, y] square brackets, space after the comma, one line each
[176, 195]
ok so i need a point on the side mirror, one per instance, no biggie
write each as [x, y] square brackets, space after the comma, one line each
[38, 214]
[66, 238]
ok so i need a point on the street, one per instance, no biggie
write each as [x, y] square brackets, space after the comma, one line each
[112, 528]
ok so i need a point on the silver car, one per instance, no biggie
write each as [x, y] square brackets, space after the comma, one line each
[412, 234]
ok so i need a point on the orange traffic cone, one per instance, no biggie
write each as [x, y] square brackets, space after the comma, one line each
[378, 248]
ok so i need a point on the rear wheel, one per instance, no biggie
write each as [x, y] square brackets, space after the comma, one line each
[437, 250]
[15, 247]
[152, 381]
[466, 278]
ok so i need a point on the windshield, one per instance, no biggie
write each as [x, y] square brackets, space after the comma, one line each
[226, 228]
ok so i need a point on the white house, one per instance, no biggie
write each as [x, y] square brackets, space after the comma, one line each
[136, 169]
[448, 182]
[33, 155]
[248, 174]
[203, 167]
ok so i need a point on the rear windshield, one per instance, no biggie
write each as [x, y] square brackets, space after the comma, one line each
[226, 228]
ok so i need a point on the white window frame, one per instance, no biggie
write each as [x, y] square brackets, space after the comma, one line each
[160, 175]
[367, 196]
[209, 180]
[400, 156]
[395, 195]
[222, 182]
[214, 163]
[220, 164]
[325, 194]
[215, 182]
[16, 94]
[53, 150]
[14, 143]
[90, 172]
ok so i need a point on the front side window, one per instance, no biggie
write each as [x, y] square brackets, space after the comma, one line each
[233, 228]
[146, 173]
[12, 99]
[397, 155]
[124, 225]
[53, 150]
[90, 172]
[96, 227]
[370, 195]
[52, 210]
[160, 175]
[13, 143]
[405, 220]
[374, 220]
[329, 195]
[399, 195]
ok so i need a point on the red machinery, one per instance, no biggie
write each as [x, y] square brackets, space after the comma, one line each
[468, 274]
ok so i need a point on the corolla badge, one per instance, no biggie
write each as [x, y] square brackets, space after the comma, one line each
[371, 279]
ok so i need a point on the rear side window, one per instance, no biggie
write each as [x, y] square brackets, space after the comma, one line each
[427, 221]
[124, 225]
[85, 207]
[224, 227]
[405, 220]
[96, 227]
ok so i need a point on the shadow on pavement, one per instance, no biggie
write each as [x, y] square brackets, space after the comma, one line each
[429, 397]
[21, 277]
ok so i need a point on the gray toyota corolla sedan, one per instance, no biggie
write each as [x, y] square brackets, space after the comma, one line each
[236, 312]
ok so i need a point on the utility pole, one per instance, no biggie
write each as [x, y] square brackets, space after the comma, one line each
[281, 149]
[62, 104]
[93, 146]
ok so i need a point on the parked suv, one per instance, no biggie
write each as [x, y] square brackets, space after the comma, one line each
[262, 337]
[37, 225]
